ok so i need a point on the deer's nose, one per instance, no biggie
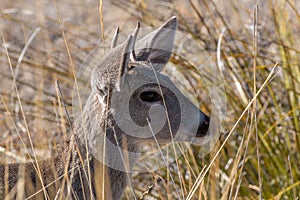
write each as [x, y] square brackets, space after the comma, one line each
[203, 126]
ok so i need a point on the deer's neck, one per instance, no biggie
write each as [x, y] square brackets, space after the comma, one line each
[92, 175]
[96, 132]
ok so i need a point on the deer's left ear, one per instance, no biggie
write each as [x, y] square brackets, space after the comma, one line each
[157, 46]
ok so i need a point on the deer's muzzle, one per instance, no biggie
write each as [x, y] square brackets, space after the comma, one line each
[203, 125]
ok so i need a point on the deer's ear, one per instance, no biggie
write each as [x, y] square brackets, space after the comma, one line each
[157, 46]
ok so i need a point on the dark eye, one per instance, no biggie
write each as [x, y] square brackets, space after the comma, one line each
[150, 96]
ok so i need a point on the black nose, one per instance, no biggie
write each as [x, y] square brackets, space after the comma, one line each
[203, 126]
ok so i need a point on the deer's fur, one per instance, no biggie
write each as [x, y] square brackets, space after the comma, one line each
[78, 173]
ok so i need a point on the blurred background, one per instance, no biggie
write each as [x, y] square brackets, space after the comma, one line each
[47, 41]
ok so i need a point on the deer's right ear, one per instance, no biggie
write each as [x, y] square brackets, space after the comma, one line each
[157, 46]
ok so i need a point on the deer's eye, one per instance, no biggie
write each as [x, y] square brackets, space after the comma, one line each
[150, 96]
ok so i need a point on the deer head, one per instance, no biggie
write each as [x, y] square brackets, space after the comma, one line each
[139, 101]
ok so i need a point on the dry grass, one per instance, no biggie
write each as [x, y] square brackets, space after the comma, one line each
[257, 156]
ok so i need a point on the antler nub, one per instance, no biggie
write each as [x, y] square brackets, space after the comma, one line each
[124, 62]
[115, 38]
[135, 33]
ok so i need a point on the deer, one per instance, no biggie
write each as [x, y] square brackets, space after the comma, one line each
[130, 98]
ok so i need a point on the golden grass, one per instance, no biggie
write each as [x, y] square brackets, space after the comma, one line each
[257, 156]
